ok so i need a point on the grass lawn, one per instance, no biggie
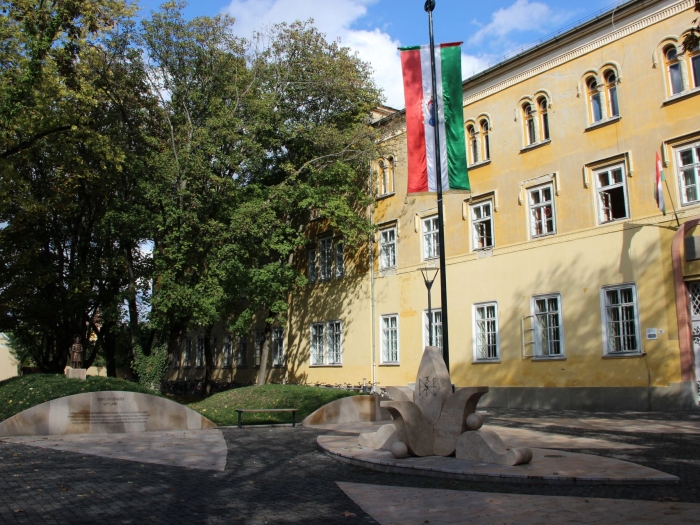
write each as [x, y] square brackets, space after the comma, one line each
[220, 408]
[20, 393]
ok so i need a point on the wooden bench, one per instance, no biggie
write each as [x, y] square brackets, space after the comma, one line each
[292, 410]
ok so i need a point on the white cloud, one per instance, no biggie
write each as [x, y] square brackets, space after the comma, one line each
[335, 20]
[519, 17]
[471, 64]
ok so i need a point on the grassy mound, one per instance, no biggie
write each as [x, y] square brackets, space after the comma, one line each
[20, 393]
[220, 408]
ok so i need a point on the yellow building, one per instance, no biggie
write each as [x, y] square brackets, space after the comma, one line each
[567, 286]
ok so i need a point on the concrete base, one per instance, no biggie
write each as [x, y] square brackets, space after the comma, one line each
[547, 467]
[76, 373]
[675, 397]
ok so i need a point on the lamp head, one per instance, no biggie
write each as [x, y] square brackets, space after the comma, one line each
[429, 274]
[429, 5]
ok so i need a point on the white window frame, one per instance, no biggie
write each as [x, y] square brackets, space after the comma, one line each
[187, 354]
[226, 352]
[325, 252]
[437, 328]
[339, 259]
[384, 245]
[385, 172]
[431, 238]
[477, 222]
[539, 352]
[334, 338]
[258, 348]
[600, 190]
[278, 347]
[541, 205]
[389, 335]
[475, 330]
[695, 166]
[311, 265]
[317, 340]
[604, 309]
[242, 351]
[199, 354]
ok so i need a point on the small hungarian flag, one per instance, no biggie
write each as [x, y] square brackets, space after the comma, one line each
[420, 118]
[658, 189]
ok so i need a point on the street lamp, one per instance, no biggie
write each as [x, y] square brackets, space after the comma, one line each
[429, 275]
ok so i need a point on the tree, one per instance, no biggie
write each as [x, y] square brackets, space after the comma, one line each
[691, 40]
[255, 134]
[72, 149]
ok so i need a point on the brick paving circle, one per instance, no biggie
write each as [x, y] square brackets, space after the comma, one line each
[277, 475]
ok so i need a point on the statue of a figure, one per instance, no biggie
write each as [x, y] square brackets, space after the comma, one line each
[76, 353]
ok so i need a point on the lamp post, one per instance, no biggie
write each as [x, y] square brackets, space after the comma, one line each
[429, 275]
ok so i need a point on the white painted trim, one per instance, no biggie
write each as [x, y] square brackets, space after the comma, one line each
[604, 319]
[538, 346]
[381, 340]
[496, 359]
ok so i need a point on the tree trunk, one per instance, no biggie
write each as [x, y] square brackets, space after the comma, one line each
[208, 360]
[131, 297]
[265, 354]
[110, 347]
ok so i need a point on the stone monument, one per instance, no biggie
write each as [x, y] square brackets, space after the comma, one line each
[433, 420]
[76, 371]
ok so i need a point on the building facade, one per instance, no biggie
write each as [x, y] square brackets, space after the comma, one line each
[567, 286]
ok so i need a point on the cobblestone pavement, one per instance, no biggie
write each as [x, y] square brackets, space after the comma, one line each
[276, 475]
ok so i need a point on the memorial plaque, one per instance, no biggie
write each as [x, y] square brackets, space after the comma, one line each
[104, 413]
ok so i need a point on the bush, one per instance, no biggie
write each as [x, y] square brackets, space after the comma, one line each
[151, 368]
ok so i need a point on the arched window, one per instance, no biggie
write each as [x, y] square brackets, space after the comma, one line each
[594, 98]
[611, 90]
[529, 120]
[473, 144]
[673, 67]
[544, 117]
[485, 139]
[694, 57]
[385, 171]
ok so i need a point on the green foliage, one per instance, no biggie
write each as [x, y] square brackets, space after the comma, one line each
[691, 40]
[220, 408]
[20, 393]
[151, 368]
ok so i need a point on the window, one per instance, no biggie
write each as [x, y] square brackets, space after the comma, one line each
[214, 352]
[325, 247]
[541, 211]
[473, 144]
[431, 243]
[259, 340]
[326, 343]
[387, 248]
[277, 347]
[386, 176]
[529, 119]
[485, 139]
[227, 353]
[612, 197]
[695, 66]
[544, 117]
[334, 336]
[482, 226]
[673, 66]
[339, 259]
[437, 327]
[242, 352]
[390, 339]
[688, 161]
[188, 353]
[611, 91]
[548, 325]
[200, 353]
[486, 344]
[317, 357]
[312, 265]
[595, 101]
[621, 327]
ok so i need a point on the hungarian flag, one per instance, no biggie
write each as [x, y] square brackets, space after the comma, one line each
[421, 122]
[658, 189]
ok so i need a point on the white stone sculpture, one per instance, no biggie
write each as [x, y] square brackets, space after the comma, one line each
[438, 422]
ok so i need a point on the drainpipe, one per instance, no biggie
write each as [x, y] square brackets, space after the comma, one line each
[371, 287]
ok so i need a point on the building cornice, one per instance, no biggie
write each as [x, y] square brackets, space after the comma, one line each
[577, 52]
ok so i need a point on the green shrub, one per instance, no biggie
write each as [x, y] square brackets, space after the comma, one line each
[151, 368]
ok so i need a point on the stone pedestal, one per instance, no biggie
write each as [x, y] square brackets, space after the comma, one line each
[76, 373]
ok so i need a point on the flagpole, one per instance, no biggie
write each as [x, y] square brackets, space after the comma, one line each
[429, 6]
[672, 205]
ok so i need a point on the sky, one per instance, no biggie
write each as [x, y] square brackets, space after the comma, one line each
[374, 29]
